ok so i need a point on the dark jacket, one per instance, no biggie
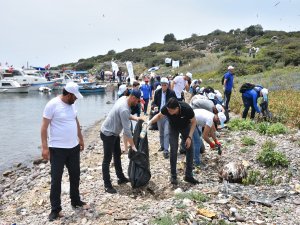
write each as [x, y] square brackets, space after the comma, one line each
[157, 97]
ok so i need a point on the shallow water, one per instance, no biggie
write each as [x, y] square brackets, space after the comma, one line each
[21, 117]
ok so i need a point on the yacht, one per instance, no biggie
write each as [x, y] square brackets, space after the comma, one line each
[12, 86]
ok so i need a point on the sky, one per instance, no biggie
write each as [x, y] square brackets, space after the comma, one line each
[42, 32]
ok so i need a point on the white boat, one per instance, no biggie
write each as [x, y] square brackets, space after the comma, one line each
[12, 86]
[23, 79]
[45, 89]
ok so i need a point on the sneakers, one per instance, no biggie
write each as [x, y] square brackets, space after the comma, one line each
[110, 190]
[124, 180]
[191, 180]
[53, 215]
[166, 155]
[174, 181]
[161, 149]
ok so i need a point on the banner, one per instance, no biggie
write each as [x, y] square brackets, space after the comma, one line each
[114, 67]
[130, 71]
[175, 64]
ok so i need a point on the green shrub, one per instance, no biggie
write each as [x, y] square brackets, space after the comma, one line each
[276, 128]
[241, 124]
[248, 141]
[244, 150]
[193, 195]
[271, 158]
[262, 127]
[253, 177]
[163, 220]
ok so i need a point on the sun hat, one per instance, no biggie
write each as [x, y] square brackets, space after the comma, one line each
[73, 88]
[189, 75]
[230, 67]
[264, 91]
[222, 118]
[136, 93]
[122, 89]
[164, 80]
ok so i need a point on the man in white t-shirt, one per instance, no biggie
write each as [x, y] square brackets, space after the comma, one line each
[181, 83]
[64, 146]
[206, 121]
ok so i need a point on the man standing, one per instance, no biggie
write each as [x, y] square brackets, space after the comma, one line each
[161, 97]
[182, 120]
[147, 94]
[117, 120]
[180, 83]
[65, 144]
[228, 85]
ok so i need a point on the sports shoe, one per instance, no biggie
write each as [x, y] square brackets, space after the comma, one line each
[174, 181]
[191, 180]
[166, 155]
[124, 180]
[160, 149]
[110, 190]
[53, 215]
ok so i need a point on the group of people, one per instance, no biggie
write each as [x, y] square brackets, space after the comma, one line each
[193, 121]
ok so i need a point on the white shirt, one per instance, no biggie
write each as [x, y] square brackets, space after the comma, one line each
[204, 117]
[179, 85]
[63, 126]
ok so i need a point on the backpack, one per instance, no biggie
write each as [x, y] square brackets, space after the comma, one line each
[222, 81]
[246, 87]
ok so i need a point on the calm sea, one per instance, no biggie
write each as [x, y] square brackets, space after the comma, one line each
[21, 117]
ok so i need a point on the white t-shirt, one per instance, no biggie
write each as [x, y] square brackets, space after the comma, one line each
[204, 117]
[63, 126]
[179, 85]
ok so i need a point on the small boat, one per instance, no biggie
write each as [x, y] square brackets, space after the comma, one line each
[12, 86]
[45, 89]
[92, 89]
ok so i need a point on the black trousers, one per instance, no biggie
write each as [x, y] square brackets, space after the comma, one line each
[111, 147]
[173, 137]
[59, 157]
[227, 95]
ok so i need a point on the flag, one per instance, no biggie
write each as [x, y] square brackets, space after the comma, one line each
[130, 71]
[114, 67]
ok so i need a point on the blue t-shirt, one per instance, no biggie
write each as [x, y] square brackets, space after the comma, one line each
[252, 95]
[229, 83]
[147, 91]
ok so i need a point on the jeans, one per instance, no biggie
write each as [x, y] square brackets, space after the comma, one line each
[227, 95]
[197, 141]
[174, 135]
[111, 147]
[146, 105]
[163, 127]
[248, 102]
[59, 157]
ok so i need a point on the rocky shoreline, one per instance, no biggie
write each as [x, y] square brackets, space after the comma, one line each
[24, 191]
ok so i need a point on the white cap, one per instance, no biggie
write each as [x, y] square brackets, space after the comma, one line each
[122, 88]
[189, 75]
[219, 108]
[164, 80]
[211, 95]
[230, 67]
[222, 118]
[200, 80]
[264, 91]
[73, 88]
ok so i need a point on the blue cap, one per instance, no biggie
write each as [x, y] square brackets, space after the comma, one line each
[136, 93]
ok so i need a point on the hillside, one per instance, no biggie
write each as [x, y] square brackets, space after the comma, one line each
[209, 54]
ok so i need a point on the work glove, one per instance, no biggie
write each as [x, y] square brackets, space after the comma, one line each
[212, 145]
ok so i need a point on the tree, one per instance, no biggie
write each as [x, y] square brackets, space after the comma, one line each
[111, 52]
[169, 38]
[254, 30]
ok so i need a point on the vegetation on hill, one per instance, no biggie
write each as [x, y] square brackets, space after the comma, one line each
[275, 65]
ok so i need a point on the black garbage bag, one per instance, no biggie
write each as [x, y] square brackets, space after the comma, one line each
[154, 125]
[265, 111]
[139, 166]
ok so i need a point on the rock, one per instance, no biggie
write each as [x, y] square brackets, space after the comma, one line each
[39, 161]
[7, 173]
[17, 164]
[259, 222]
[178, 191]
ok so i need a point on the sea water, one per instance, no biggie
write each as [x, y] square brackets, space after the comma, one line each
[21, 118]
